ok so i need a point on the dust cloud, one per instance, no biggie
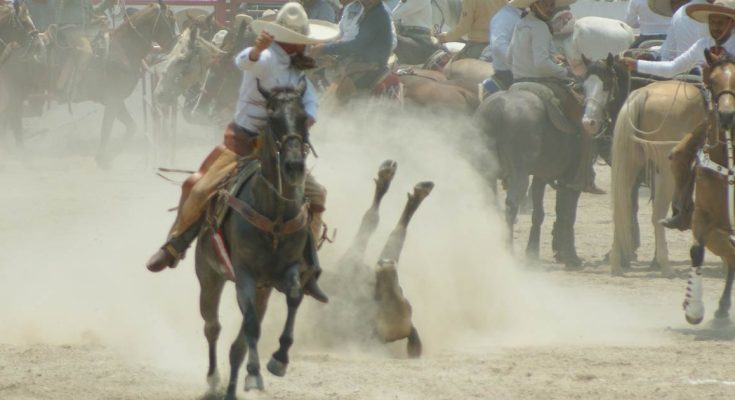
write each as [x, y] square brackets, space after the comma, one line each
[74, 240]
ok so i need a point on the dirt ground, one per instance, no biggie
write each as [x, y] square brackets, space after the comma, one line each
[81, 318]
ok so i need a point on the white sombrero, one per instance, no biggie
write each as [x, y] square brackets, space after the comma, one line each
[291, 25]
[661, 7]
[527, 3]
[701, 12]
[239, 18]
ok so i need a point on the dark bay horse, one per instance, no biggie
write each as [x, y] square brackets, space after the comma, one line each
[518, 129]
[22, 65]
[261, 260]
[112, 77]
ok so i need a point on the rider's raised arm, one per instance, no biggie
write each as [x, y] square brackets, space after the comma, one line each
[680, 65]
[260, 67]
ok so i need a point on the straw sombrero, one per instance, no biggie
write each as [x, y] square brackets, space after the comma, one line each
[527, 3]
[291, 25]
[661, 7]
[701, 12]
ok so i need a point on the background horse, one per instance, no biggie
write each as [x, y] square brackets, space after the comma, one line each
[520, 131]
[651, 122]
[22, 66]
[261, 260]
[112, 77]
[714, 205]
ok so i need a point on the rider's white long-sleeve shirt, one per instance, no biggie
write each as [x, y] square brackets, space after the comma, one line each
[273, 69]
[532, 50]
[691, 58]
[413, 13]
[501, 29]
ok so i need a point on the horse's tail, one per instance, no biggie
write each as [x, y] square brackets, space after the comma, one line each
[627, 161]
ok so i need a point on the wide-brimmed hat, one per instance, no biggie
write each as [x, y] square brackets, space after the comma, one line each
[291, 25]
[661, 7]
[701, 12]
[527, 3]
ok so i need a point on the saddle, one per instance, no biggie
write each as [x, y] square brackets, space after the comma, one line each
[564, 107]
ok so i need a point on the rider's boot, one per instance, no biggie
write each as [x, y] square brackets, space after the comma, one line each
[311, 287]
[682, 204]
[169, 255]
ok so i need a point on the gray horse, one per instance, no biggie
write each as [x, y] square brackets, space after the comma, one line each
[267, 239]
[378, 306]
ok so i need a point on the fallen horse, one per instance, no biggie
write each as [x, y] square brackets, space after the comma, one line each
[389, 312]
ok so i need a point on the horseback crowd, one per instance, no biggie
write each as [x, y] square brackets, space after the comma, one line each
[557, 90]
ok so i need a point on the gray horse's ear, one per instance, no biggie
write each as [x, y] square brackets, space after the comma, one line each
[586, 61]
[266, 94]
[610, 61]
[301, 86]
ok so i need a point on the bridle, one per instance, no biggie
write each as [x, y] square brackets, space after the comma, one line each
[612, 86]
[159, 16]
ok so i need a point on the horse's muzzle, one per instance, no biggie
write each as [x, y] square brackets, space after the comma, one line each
[591, 126]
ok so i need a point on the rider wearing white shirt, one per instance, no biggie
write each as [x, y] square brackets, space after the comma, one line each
[413, 22]
[652, 25]
[349, 23]
[413, 13]
[683, 32]
[502, 26]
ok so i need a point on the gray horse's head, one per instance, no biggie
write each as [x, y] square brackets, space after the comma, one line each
[287, 134]
[185, 66]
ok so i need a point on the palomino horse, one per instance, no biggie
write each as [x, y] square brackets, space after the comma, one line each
[262, 258]
[185, 66]
[22, 61]
[111, 78]
[377, 289]
[651, 122]
[713, 220]
[521, 131]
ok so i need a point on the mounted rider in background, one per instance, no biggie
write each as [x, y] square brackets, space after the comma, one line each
[502, 26]
[368, 53]
[720, 19]
[77, 21]
[683, 31]
[276, 60]
[534, 58]
[413, 21]
[474, 23]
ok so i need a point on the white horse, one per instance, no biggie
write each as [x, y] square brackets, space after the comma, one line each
[593, 38]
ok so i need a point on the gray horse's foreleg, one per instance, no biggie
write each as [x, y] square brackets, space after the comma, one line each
[246, 291]
[237, 356]
[394, 245]
[211, 286]
[279, 361]
[538, 186]
[517, 185]
[563, 232]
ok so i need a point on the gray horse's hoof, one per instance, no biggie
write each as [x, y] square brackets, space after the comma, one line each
[422, 189]
[254, 382]
[213, 381]
[694, 321]
[103, 161]
[230, 395]
[277, 368]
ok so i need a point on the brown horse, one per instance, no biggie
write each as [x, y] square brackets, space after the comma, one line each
[21, 52]
[714, 206]
[112, 77]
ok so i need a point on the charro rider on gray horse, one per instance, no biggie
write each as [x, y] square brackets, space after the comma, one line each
[276, 60]
[534, 59]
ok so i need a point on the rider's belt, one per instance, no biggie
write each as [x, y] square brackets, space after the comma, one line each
[413, 30]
